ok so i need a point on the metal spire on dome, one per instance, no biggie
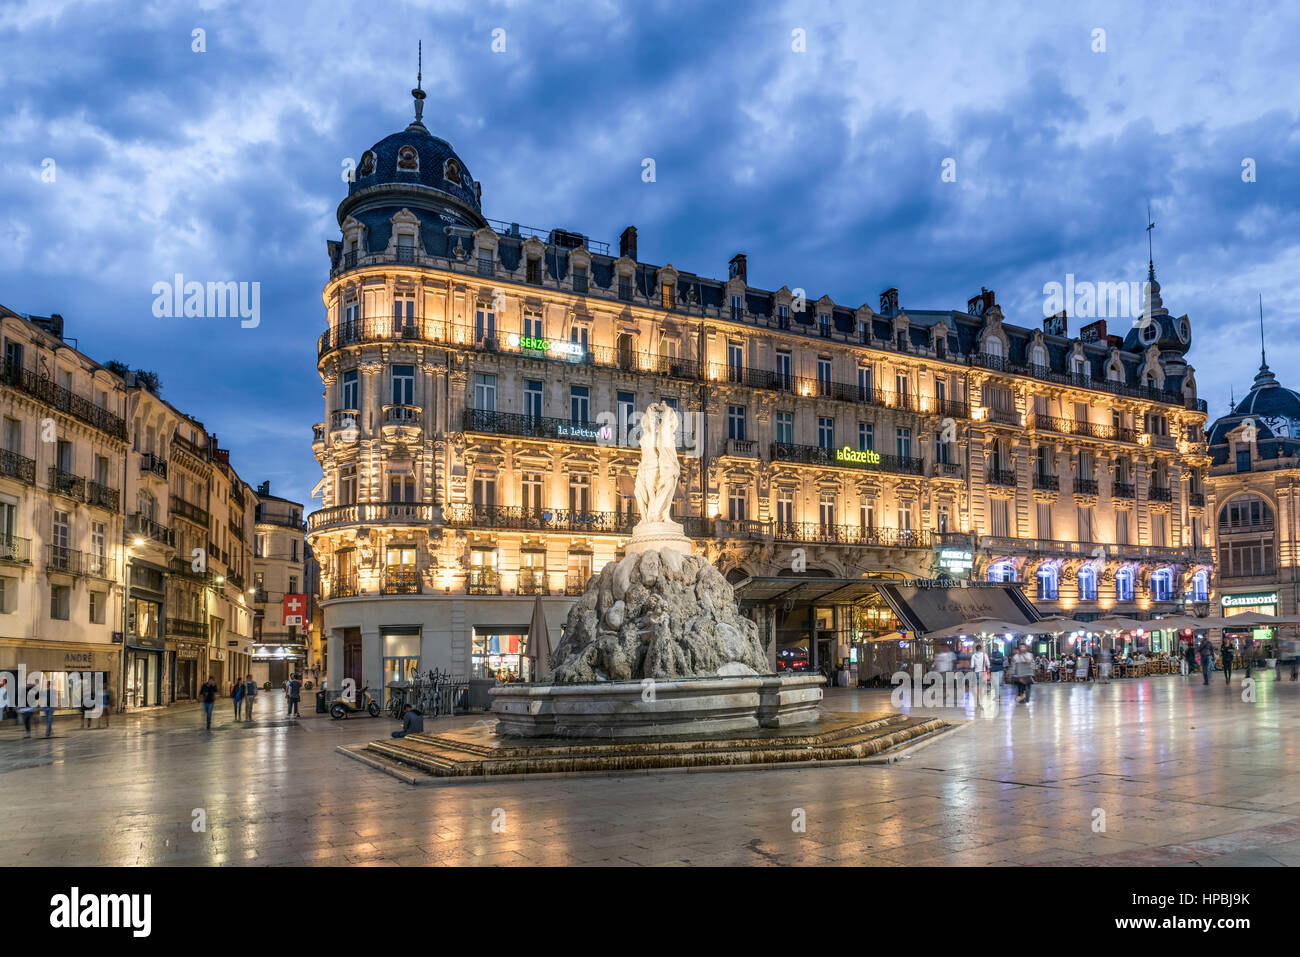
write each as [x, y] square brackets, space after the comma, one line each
[418, 93]
[1151, 260]
[1264, 378]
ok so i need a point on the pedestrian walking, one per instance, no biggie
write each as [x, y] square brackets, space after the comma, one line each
[105, 705]
[4, 699]
[48, 709]
[208, 695]
[237, 696]
[980, 667]
[294, 687]
[1103, 665]
[250, 694]
[1022, 672]
[997, 665]
[944, 660]
[1248, 653]
[1206, 650]
[1189, 658]
[1226, 651]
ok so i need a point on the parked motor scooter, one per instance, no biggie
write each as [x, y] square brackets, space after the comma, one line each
[364, 704]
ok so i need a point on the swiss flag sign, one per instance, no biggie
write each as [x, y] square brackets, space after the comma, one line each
[295, 610]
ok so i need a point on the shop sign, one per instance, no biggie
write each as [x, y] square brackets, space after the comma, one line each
[593, 434]
[559, 347]
[187, 652]
[861, 457]
[1250, 598]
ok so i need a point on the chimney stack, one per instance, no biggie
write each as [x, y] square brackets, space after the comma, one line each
[889, 301]
[738, 267]
[627, 243]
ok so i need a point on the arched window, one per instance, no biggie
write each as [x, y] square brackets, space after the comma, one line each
[1201, 586]
[1124, 584]
[367, 163]
[625, 355]
[1247, 545]
[1002, 572]
[451, 171]
[1162, 585]
[993, 347]
[408, 158]
[1246, 513]
[1087, 584]
[1038, 357]
[1047, 583]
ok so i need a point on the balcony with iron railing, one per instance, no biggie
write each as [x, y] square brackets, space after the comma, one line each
[184, 568]
[533, 581]
[1092, 430]
[1160, 493]
[19, 467]
[69, 561]
[15, 550]
[1109, 550]
[483, 581]
[67, 484]
[514, 517]
[342, 585]
[49, 392]
[371, 513]
[192, 449]
[101, 496]
[1085, 486]
[847, 457]
[1047, 483]
[821, 533]
[139, 526]
[1125, 490]
[400, 580]
[1196, 499]
[185, 628]
[533, 426]
[1002, 476]
[153, 464]
[575, 585]
[180, 508]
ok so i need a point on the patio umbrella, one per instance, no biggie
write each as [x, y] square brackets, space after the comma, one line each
[1257, 619]
[1179, 622]
[978, 626]
[1057, 625]
[539, 642]
[1117, 623]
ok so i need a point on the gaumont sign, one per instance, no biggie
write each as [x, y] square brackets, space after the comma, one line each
[852, 456]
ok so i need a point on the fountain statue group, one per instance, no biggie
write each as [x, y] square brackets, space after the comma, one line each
[661, 611]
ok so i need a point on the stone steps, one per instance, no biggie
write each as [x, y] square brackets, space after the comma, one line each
[480, 754]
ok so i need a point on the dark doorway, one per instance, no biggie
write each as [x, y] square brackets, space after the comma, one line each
[352, 656]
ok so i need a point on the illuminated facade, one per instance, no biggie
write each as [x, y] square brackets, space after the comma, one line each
[482, 384]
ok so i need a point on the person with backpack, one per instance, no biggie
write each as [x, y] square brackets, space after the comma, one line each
[250, 694]
[294, 687]
[208, 695]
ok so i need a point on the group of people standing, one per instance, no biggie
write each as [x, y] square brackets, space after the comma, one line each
[243, 692]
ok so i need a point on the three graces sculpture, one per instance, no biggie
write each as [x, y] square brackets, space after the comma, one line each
[656, 476]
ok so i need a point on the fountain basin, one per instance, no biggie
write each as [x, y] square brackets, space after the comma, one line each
[656, 707]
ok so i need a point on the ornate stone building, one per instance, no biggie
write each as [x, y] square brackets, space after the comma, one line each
[483, 382]
[1254, 484]
[279, 569]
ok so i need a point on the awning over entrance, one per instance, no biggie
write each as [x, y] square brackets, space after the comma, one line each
[921, 608]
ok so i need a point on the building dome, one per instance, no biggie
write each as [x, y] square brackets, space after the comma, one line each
[415, 157]
[1274, 409]
[1157, 327]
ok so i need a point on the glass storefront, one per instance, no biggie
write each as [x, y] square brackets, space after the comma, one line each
[498, 653]
[401, 660]
[143, 671]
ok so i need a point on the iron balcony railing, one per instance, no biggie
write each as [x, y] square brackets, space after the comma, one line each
[15, 551]
[15, 466]
[858, 394]
[400, 580]
[79, 564]
[1051, 483]
[533, 426]
[575, 585]
[1094, 549]
[140, 526]
[821, 533]
[467, 515]
[192, 449]
[184, 567]
[1085, 486]
[185, 628]
[1196, 499]
[1123, 490]
[1095, 430]
[1004, 477]
[188, 510]
[67, 484]
[260, 596]
[101, 496]
[483, 581]
[1081, 381]
[1160, 493]
[153, 463]
[533, 581]
[343, 585]
[369, 513]
[51, 393]
[847, 458]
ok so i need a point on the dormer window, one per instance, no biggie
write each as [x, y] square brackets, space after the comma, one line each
[451, 171]
[367, 163]
[408, 158]
[824, 324]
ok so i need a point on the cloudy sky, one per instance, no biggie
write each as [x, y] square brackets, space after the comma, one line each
[814, 137]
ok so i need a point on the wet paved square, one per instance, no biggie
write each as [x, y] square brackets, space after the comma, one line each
[1159, 771]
